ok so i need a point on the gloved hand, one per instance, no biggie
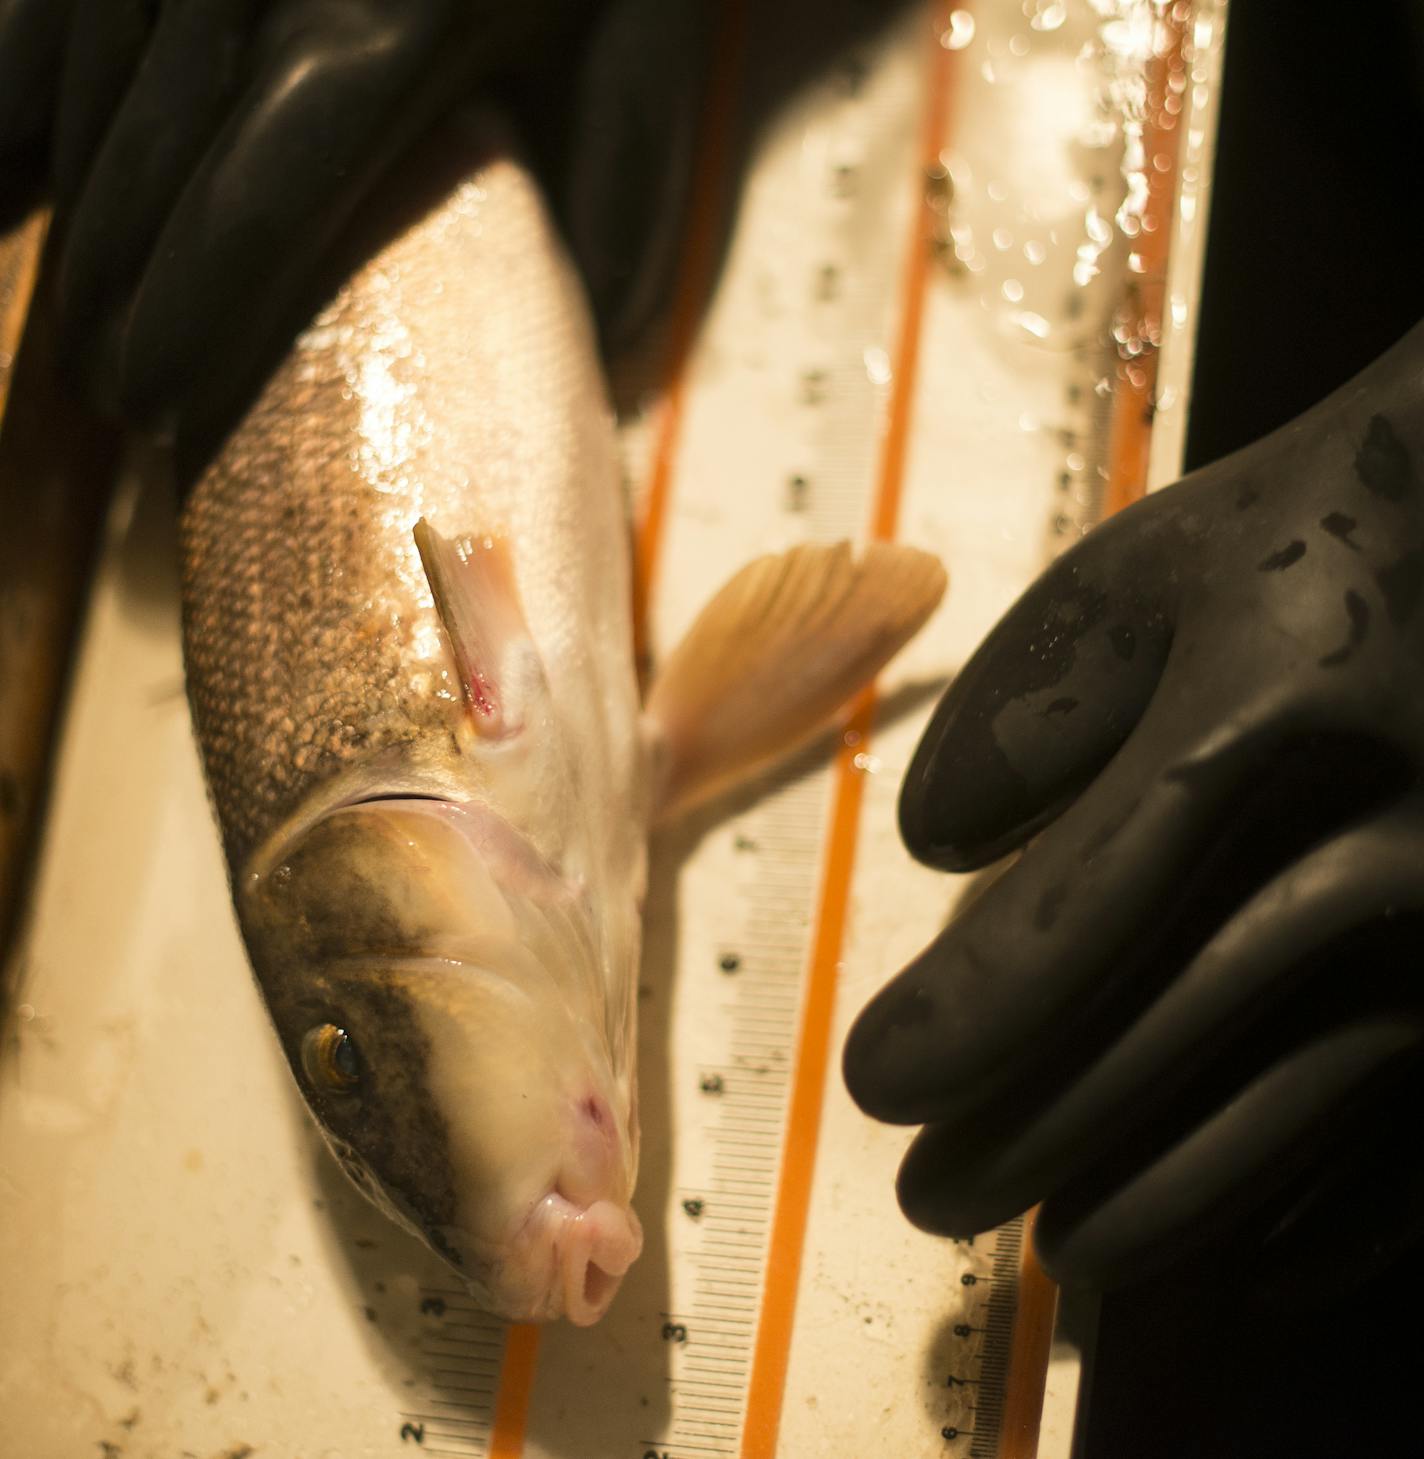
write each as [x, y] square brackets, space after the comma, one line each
[1191, 1006]
[31, 49]
[206, 153]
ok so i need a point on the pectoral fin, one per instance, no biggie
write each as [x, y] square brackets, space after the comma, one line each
[775, 653]
[472, 582]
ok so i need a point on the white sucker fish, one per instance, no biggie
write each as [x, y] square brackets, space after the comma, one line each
[409, 647]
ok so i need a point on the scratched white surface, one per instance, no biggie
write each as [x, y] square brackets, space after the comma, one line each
[182, 1272]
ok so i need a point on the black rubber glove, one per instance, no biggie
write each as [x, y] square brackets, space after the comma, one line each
[32, 36]
[205, 154]
[1192, 1005]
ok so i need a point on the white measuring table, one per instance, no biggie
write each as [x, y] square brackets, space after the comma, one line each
[183, 1271]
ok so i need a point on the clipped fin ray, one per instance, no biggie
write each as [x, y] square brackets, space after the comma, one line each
[775, 653]
[472, 582]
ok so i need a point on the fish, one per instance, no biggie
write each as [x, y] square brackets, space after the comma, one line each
[409, 646]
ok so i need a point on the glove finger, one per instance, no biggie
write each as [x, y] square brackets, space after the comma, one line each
[1047, 699]
[1041, 972]
[192, 69]
[338, 95]
[106, 42]
[325, 114]
[628, 173]
[969, 1176]
[1367, 1190]
[32, 36]
[1105, 1233]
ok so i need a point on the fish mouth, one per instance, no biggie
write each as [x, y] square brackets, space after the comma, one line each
[566, 1260]
[595, 1247]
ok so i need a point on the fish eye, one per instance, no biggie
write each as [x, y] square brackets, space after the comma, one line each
[330, 1059]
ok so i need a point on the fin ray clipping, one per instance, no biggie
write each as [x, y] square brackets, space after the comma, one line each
[472, 583]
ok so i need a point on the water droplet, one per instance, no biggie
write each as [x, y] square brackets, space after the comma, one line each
[867, 764]
[877, 365]
[1050, 16]
[997, 191]
[1013, 291]
[959, 32]
[939, 187]
[1075, 461]
[1034, 251]
[1030, 323]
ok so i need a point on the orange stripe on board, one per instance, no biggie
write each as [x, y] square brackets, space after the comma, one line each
[20, 252]
[1129, 441]
[767, 1386]
[521, 1349]
[1135, 383]
[693, 284]
[1024, 1383]
[516, 1383]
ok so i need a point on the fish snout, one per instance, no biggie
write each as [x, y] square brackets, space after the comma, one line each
[567, 1261]
[599, 1246]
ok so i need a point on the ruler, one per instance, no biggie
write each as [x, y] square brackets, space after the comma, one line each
[911, 334]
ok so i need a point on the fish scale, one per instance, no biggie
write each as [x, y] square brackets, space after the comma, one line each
[312, 641]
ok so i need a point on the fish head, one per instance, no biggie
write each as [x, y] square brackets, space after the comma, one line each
[438, 994]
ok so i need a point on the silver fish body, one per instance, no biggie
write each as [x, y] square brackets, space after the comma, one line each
[441, 905]
[410, 661]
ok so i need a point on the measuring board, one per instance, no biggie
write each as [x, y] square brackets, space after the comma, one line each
[934, 314]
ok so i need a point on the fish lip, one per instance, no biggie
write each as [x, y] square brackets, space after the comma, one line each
[584, 1252]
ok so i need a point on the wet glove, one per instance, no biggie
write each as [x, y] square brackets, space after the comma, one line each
[206, 153]
[1192, 1008]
